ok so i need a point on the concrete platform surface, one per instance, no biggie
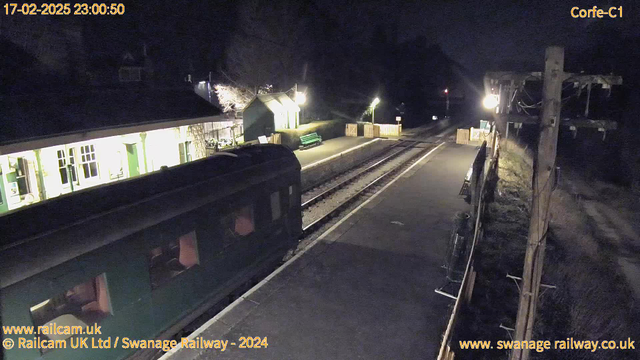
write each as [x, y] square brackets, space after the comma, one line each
[365, 289]
[328, 148]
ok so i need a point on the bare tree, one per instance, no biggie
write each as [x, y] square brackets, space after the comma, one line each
[267, 48]
[236, 97]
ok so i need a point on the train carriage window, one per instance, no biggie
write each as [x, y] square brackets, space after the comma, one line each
[238, 223]
[276, 212]
[165, 262]
[79, 307]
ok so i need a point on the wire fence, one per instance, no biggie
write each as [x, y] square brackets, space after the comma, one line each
[482, 186]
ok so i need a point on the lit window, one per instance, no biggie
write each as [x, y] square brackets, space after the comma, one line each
[165, 262]
[89, 163]
[238, 223]
[275, 206]
[62, 166]
[66, 166]
[72, 165]
[22, 177]
[78, 308]
[185, 152]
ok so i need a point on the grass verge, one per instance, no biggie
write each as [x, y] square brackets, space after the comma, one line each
[592, 300]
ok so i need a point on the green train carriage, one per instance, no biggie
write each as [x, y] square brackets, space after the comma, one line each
[143, 257]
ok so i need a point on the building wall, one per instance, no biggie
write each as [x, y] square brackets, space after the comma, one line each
[96, 162]
[258, 120]
[223, 129]
[286, 120]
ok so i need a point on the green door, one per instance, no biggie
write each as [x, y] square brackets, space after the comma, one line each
[132, 160]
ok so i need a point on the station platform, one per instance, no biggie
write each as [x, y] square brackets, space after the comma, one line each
[365, 288]
[329, 148]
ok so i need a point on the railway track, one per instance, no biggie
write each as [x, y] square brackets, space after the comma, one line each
[374, 174]
[362, 191]
[361, 183]
[358, 174]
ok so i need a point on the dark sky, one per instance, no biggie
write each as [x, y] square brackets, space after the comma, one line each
[480, 33]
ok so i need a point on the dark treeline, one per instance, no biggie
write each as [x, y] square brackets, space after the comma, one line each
[342, 59]
[249, 43]
[343, 67]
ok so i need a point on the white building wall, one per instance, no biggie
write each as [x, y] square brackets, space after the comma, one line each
[51, 173]
[110, 158]
[162, 148]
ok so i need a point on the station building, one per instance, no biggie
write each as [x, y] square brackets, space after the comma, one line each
[269, 113]
[57, 144]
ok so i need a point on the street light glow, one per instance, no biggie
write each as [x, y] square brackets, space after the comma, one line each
[490, 101]
[446, 91]
[301, 98]
[375, 102]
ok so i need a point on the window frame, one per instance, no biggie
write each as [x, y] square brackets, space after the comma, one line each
[62, 167]
[88, 157]
[87, 306]
[229, 219]
[68, 166]
[74, 166]
[22, 176]
[165, 249]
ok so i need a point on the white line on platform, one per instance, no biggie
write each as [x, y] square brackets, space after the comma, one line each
[336, 155]
[242, 298]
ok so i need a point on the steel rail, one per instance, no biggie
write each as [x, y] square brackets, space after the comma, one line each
[309, 229]
[364, 161]
[345, 182]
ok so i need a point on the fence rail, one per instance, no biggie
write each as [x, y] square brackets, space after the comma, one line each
[483, 178]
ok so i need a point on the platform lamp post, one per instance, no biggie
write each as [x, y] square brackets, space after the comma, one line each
[300, 98]
[375, 102]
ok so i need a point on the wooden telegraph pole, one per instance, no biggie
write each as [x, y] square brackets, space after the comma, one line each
[544, 166]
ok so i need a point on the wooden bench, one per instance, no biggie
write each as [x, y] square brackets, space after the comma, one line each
[310, 140]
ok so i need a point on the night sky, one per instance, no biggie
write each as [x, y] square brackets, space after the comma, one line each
[346, 51]
[481, 34]
[478, 35]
